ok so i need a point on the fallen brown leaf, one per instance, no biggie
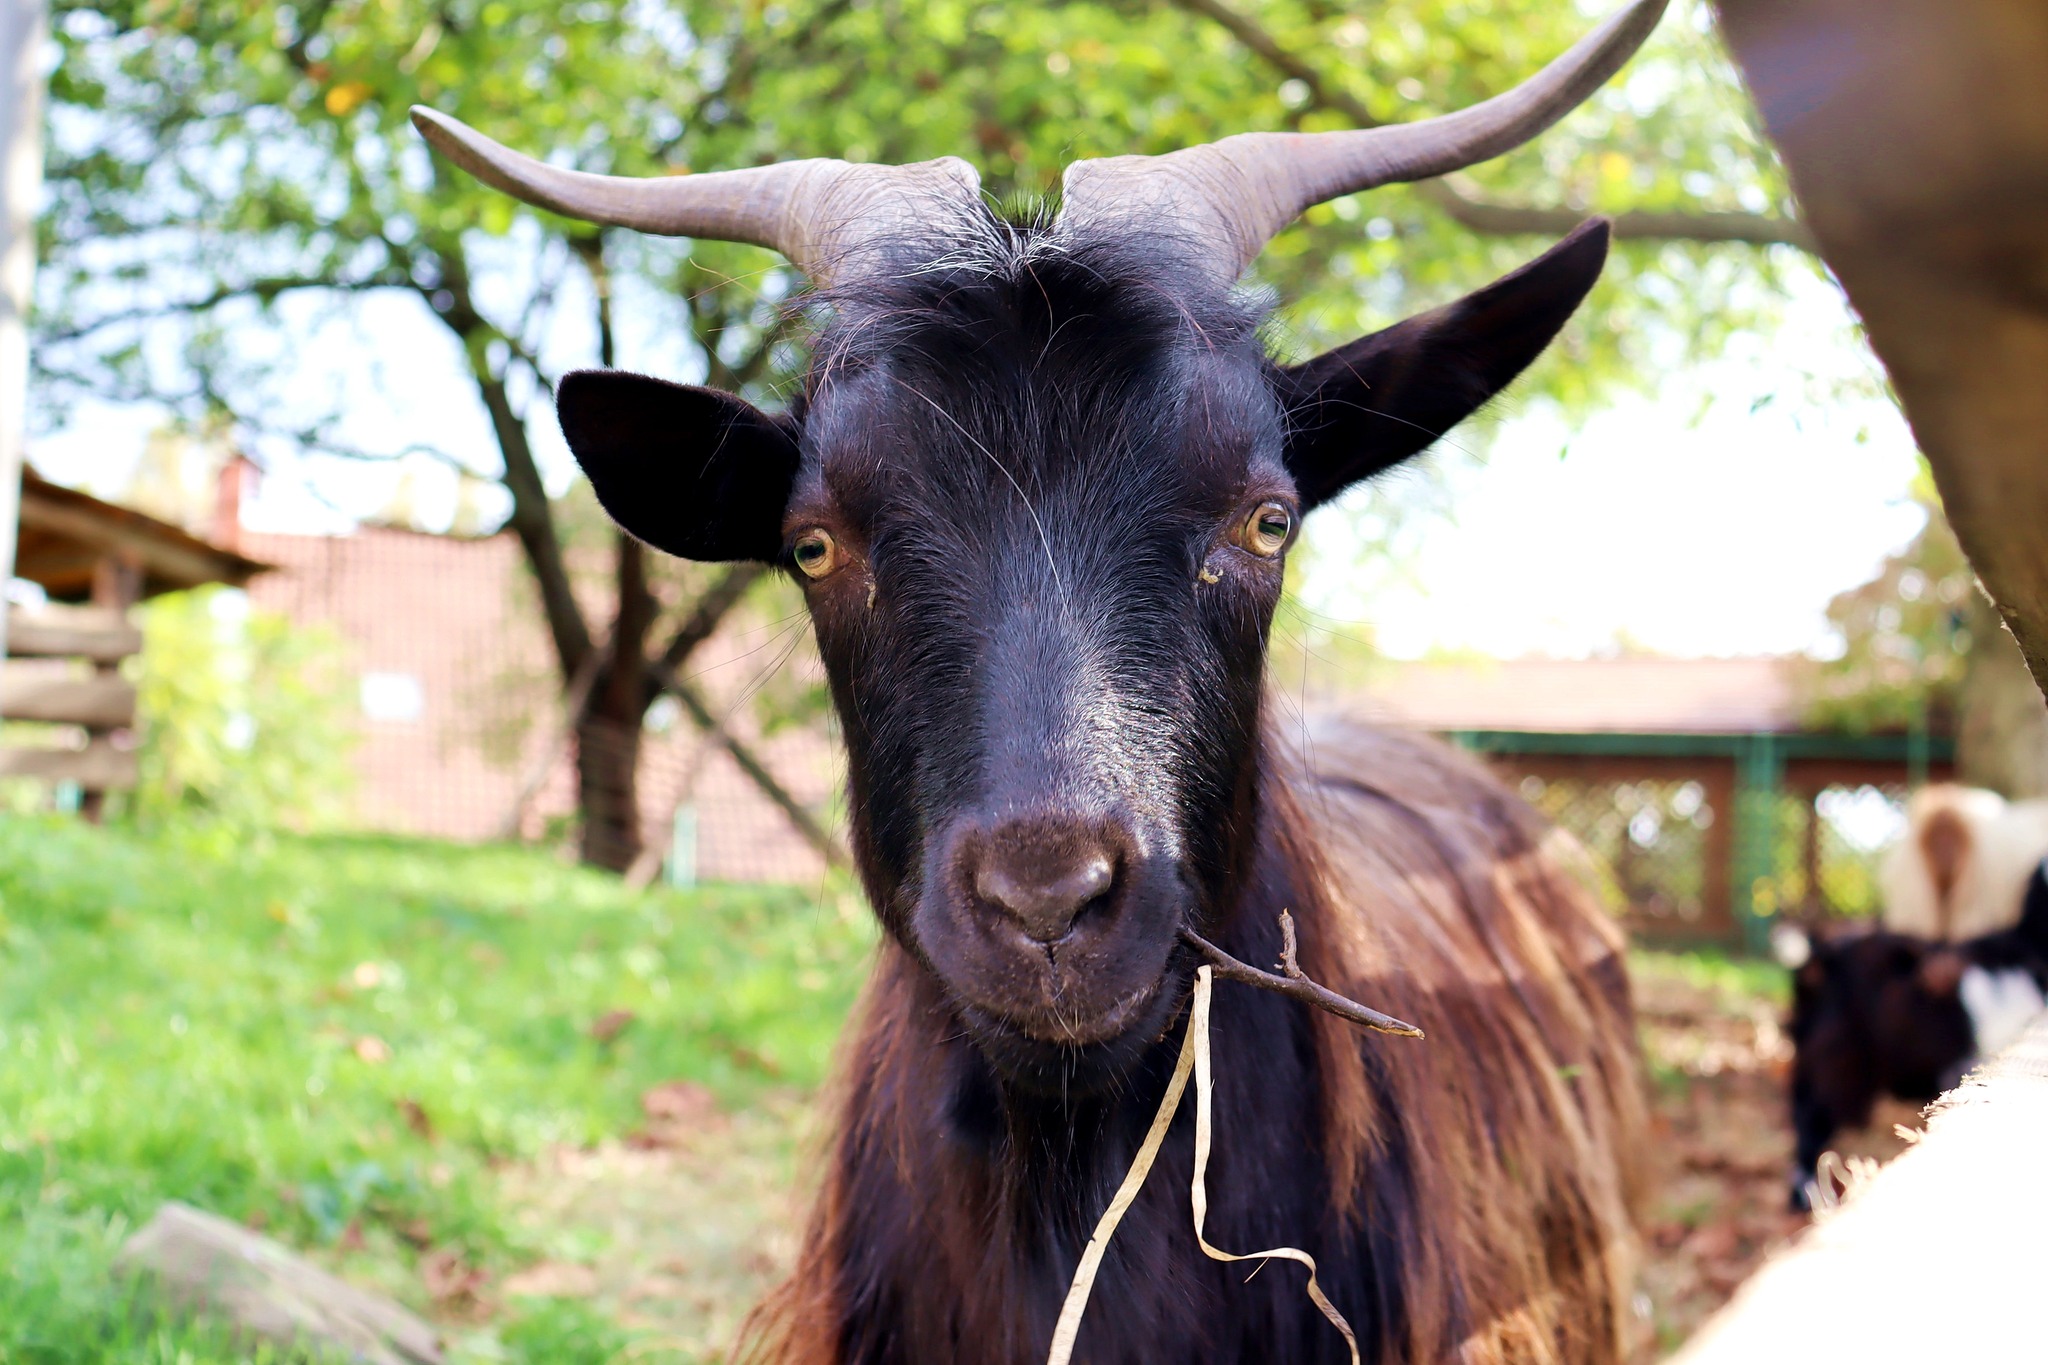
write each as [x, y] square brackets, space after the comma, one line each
[452, 1282]
[611, 1024]
[416, 1117]
[552, 1280]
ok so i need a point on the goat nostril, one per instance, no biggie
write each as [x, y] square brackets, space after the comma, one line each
[1045, 901]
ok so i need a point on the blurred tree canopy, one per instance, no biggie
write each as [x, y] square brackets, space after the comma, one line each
[1922, 646]
[245, 716]
[226, 174]
[1905, 636]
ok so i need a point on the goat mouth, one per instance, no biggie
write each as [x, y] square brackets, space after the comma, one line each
[1077, 1057]
[1052, 1025]
[1059, 995]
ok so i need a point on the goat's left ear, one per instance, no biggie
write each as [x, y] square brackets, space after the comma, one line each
[695, 472]
[1366, 407]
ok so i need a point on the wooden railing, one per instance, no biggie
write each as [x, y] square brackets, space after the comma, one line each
[100, 701]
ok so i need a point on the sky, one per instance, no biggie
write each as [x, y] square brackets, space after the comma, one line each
[1716, 516]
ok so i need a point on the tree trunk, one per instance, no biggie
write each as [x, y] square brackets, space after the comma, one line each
[2002, 729]
[609, 732]
[1916, 136]
[608, 791]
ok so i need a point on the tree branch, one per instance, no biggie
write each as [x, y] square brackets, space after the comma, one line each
[1503, 219]
[314, 440]
[263, 290]
[1295, 984]
[1511, 220]
[711, 608]
[806, 824]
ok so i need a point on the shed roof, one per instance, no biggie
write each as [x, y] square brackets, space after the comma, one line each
[1592, 696]
[65, 533]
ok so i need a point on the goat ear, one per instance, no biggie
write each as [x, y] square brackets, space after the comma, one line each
[695, 472]
[1366, 407]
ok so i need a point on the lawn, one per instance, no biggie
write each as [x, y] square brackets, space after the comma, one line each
[560, 1118]
[394, 1054]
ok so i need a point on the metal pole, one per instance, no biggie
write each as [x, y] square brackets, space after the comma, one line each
[21, 178]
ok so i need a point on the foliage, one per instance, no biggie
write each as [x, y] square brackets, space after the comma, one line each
[264, 149]
[1905, 636]
[339, 1040]
[243, 225]
[244, 715]
[1741, 983]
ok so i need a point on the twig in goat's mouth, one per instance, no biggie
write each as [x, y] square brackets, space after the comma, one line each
[1295, 984]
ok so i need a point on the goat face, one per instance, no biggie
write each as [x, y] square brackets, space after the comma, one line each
[1040, 502]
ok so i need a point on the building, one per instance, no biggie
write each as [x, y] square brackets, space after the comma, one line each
[92, 560]
[1696, 780]
[459, 706]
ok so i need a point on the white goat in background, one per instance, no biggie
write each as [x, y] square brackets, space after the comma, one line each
[1961, 869]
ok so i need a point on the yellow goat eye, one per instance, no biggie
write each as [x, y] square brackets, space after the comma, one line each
[1267, 529]
[816, 553]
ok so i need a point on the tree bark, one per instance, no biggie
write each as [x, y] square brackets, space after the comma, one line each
[533, 520]
[1916, 136]
[608, 735]
[2002, 723]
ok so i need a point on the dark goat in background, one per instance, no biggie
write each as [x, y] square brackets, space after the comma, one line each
[1877, 1013]
[1039, 487]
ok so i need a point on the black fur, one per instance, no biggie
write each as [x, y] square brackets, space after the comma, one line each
[1042, 626]
[1877, 1013]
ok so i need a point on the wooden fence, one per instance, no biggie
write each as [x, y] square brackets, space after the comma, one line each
[63, 670]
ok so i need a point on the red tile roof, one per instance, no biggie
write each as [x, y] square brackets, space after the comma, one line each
[1631, 695]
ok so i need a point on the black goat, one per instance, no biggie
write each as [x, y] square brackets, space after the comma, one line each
[1038, 487]
[1878, 1013]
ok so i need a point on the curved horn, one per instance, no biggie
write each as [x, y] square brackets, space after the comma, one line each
[1240, 191]
[821, 213]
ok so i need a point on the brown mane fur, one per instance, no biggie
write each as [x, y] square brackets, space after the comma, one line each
[1483, 1180]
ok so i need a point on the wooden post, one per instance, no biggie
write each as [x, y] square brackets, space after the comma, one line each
[116, 586]
[1813, 904]
[1915, 133]
[1759, 770]
[1716, 894]
[21, 177]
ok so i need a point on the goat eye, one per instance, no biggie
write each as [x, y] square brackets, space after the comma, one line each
[1266, 530]
[816, 553]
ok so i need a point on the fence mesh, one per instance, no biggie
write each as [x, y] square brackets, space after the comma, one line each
[458, 712]
[1654, 846]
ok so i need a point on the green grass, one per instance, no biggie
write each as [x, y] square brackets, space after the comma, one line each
[339, 1040]
[1735, 979]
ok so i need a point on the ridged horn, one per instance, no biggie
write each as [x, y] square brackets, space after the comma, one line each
[1237, 193]
[825, 215]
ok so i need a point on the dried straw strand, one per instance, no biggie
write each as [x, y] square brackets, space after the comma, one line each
[1194, 1057]
[1069, 1325]
[1198, 1189]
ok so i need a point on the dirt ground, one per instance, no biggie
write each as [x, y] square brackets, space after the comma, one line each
[1720, 1063]
[676, 1229]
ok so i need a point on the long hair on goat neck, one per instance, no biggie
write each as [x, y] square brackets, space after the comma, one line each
[1468, 1198]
